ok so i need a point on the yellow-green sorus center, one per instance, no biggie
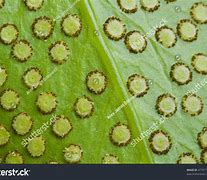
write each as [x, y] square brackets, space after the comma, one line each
[160, 142]
[59, 53]
[192, 104]
[128, 4]
[22, 50]
[121, 134]
[34, 3]
[84, 106]
[43, 28]
[138, 85]
[188, 30]
[200, 63]
[73, 154]
[9, 100]
[36, 147]
[4, 135]
[71, 25]
[167, 37]
[1, 3]
[3, 76]
[62, 126]
[167, 105]
[46, 102]
[187, 160]
[9, 34]
[14, 158]
[32, 78]
[96, 82]
[200, 13]
[22, 124]
[115, 28]
[136, 41]
[181, 73]
[110, 159]
[150, 4]
[203, 139]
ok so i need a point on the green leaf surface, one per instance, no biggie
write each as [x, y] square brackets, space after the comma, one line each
[93, 50]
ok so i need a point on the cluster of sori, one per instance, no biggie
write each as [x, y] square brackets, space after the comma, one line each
[46, 102]
[136, 42]
[161, 143]
[96, 81]
[180, 73]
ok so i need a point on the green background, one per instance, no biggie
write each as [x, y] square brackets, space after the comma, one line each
[93, 50]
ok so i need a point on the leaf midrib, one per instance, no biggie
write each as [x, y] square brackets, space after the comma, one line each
[119, 86]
